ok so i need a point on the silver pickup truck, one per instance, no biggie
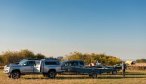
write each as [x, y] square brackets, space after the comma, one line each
[47, 67]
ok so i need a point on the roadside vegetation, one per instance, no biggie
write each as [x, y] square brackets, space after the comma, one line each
[141, 60]
[15, 56]
[93, 58]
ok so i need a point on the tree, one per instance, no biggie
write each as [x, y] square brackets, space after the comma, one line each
[26, 54]
[1, 61]
[141, 60]
[15, 56]
[93, 58]
[39, 56]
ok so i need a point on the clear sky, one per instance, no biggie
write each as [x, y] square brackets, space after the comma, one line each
[58, 27]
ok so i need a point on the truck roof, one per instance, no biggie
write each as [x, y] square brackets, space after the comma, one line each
[74, 61]
[41, 59]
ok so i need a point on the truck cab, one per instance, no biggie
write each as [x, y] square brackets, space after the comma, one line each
[28, 66]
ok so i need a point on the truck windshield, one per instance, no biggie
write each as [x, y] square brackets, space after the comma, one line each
[22, 62]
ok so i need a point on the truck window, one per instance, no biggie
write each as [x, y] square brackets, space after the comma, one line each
[74, 64]
[28, 63]
[31, 63]
[51, 63]
[81, 63]
[37, 62]
[66, 64]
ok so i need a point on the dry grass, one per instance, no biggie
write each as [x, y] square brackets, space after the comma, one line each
[134, 77]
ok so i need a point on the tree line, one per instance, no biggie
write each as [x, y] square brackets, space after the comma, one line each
[141, 61]
[93, 58]
[15, 56]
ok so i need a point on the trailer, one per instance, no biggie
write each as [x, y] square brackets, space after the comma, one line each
[78, 67]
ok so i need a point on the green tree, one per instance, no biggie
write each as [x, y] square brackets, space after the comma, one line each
[39, 56]
[1, 60]
[141, 60]
[26, 54]
[15, 56]
[93, 58]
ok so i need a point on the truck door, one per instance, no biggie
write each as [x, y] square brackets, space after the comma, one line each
[37, 67]
[28, 67]
[66, 66]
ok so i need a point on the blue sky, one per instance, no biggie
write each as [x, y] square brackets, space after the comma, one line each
[58, 27]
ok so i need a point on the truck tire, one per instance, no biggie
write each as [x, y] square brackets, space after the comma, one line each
[15, 75]
[52, 74]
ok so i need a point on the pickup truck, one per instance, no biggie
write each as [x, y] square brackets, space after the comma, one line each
[47, 67]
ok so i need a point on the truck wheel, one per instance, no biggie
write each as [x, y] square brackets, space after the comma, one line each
[15, 75]
[52, 74]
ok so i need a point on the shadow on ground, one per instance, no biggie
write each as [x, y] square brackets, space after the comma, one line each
[86, 77]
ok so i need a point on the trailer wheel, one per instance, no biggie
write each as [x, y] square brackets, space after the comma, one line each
[93, 75]
[114, 72]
